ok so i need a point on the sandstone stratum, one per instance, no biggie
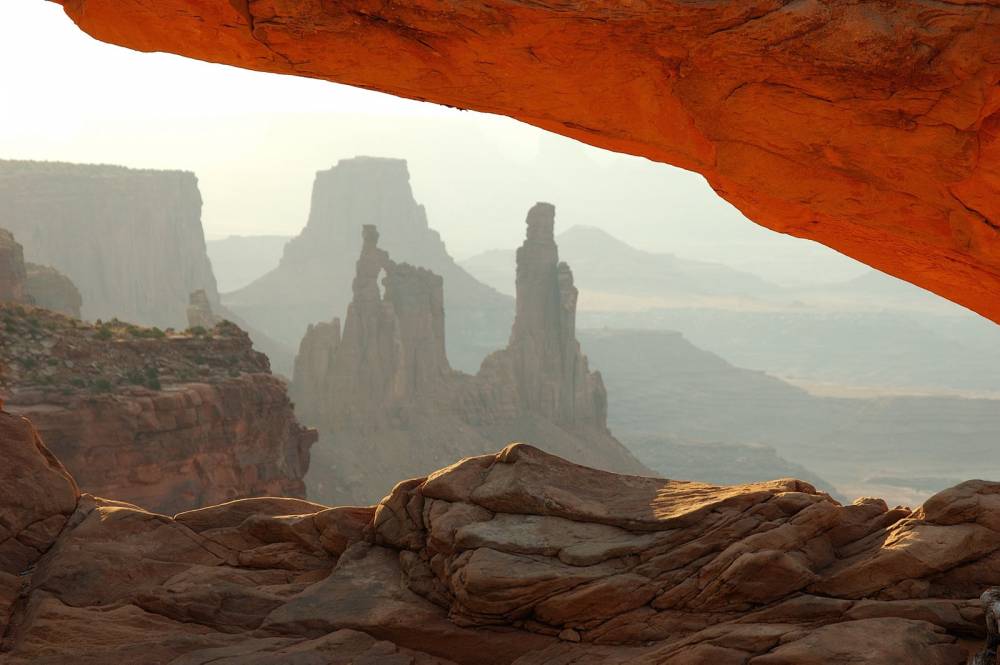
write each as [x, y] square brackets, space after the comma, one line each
[168, 420]
[514, 557]
[870, 126]
[388, 404]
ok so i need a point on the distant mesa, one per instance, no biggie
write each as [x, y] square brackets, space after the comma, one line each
[388, 405]
[311, 281]
[131, 240]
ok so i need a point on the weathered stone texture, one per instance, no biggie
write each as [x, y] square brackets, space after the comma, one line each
[389, 405]
[167, 421]
[870, 126]
[517, 558]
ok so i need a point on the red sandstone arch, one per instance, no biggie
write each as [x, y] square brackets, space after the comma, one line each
[872, 126]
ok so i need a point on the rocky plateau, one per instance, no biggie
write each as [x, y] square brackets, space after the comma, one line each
[514, 557]
[168, 420]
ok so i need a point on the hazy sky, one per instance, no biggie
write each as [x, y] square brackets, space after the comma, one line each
[255, 141]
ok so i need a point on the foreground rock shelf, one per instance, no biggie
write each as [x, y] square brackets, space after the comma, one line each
[165, 419]
[518, 557]
[870, 126]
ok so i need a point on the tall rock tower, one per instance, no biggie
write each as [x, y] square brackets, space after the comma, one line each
[551, 372]
[312, 281]
[388, 405]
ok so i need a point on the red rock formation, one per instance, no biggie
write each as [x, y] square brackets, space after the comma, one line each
[388, 404]
[13, 274]
[518, 557]
[871, 126]
[170, 422]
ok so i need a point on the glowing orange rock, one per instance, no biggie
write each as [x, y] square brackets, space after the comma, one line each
[872, 127]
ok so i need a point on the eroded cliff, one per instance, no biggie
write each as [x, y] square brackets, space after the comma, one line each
[516, 557]
[871, 126]
[131, 240]
[170, 421]
[388, 405]
[311, 281]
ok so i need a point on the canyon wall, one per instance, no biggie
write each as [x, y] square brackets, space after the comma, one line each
[170, 422]
[129, 239]
[50, 289]
[310, 283]
[389, 405]
[513, 558]
[30, 283]
[13, 273]
[870, 126]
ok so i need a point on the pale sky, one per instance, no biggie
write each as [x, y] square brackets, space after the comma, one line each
[255, 141]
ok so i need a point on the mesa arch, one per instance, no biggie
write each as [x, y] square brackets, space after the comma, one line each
[871, 126]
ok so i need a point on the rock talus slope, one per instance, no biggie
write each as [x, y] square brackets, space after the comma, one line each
[871, 126]
[516, 557]
[170, 422]
[388, 404]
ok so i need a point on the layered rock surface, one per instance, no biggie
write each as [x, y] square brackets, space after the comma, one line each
[169, 421]
[131, 240]
[311, 281]
[388, 404]
[518, 557]
[872, 127]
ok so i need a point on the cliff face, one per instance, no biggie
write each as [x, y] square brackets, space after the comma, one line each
[13, 274]
[543, 356]
[130, 240]
[870, 126]
[356, 192]
[170, 422]
[512, 558]
[389, 405]
[53, 290]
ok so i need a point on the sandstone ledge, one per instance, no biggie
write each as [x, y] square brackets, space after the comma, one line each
[518, 557]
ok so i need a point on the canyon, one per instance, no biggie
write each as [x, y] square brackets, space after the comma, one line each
[170, 421]
[872, 127]
[388, 404]
[516, 557]
[302, 289]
